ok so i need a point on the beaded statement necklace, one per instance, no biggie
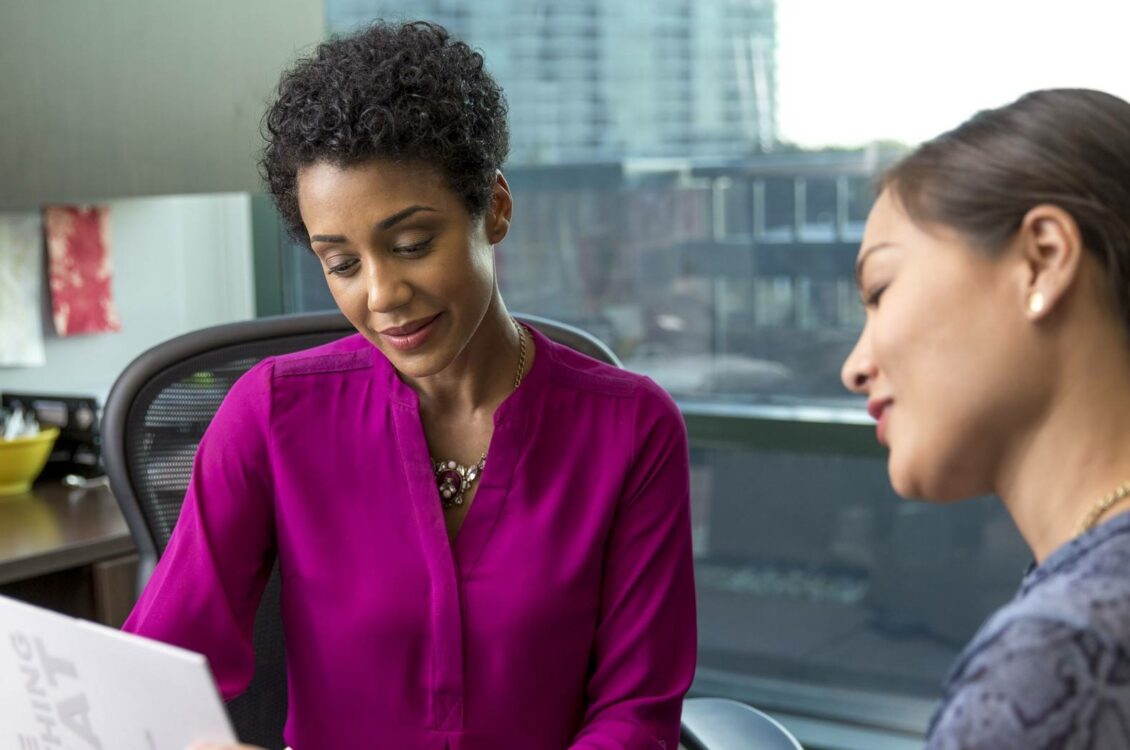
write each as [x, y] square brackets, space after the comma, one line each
[453, 478]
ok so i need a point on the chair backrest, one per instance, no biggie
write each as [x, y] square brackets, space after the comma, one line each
[156, 415]
[723, 724]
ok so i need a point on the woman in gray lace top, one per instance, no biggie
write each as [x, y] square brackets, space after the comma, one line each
[995, 270]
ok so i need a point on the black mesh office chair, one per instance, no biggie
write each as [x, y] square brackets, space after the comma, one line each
[156, 414]
[154, 418]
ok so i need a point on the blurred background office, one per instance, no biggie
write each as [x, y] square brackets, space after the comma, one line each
[691, 179]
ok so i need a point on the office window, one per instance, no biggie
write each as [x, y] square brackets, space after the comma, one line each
[691, 182]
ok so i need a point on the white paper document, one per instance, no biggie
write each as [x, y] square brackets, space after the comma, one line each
[75, 685]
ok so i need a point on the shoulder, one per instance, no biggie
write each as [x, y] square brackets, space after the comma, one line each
[580, 372]
[1081, 588]
[1087, 591]
[571, 369]
[1039, 682]
[1047, 665]
[349, 353]
[627, 403]
[253, 392]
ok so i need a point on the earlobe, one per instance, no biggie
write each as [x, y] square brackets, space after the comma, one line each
[1052, 247]
[499, 228]
[500, 211]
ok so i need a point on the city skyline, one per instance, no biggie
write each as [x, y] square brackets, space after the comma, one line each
[601, 80]
[608, 79]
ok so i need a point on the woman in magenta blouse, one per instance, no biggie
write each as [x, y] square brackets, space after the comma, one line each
[483, 536]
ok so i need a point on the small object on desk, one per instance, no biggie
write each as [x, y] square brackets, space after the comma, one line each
[78, 482]
[22, 459]
[78, 448]
[17, 423]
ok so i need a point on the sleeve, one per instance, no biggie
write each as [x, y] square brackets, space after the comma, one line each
[205, 590]
[644, 651]
[1035, 683]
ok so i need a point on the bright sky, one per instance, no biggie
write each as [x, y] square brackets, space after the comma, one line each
[852, 71]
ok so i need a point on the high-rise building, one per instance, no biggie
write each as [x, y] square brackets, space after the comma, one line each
[591, 80]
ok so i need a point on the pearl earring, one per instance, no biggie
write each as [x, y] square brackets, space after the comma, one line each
[1036, 303]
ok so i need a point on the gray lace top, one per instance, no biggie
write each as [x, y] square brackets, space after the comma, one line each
[1051, 669]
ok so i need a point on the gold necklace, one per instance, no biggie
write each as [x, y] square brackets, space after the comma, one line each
[453, 478]
[1121, 492]
[521, 354]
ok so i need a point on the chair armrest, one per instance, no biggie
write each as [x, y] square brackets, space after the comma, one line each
[723, 724]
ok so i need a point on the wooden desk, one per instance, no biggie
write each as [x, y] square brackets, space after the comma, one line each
[69, 550]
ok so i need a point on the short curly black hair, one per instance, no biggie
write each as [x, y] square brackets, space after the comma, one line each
[404, 92]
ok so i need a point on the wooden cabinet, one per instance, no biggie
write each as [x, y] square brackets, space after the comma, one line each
[68, 550]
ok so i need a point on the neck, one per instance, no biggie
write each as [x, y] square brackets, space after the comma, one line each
[482, 376]
[1076, 453]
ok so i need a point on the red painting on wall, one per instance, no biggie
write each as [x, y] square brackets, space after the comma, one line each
[80, 269]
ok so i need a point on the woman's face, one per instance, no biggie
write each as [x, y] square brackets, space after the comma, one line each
[941, 357]
[404, 259]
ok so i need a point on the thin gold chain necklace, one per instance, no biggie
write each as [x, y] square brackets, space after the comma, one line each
[453, 478]
[1118, 494]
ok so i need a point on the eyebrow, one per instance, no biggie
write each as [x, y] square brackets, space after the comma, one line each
[400, 216]
[386, 223]
[863, 257]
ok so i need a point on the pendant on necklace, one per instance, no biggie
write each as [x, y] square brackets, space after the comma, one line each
[454, 479]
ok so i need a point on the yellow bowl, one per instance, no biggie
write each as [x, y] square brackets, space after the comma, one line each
[22, 459]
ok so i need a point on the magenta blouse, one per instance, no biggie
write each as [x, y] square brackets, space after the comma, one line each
[562, 615]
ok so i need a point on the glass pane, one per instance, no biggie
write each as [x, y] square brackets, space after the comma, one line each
[691, 181]
[809, 568]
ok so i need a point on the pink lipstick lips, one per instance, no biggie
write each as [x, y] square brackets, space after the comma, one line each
[411, 335]
[878, 409]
